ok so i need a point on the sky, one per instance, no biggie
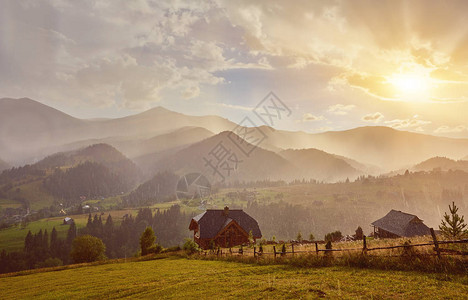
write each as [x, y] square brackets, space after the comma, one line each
[336, 65]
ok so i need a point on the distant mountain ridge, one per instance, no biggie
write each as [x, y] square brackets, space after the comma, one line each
[29, 131]
[443, 164]
[320, 165]
[380, 146]
[261, 164]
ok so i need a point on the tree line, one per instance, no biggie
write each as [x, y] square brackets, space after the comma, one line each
[42, 249]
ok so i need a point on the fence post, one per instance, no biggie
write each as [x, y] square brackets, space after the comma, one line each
[316, 248]
[292, 246]
[274, 251]
[255, 251]
[364, 244]
[436, 243]
[328, 246]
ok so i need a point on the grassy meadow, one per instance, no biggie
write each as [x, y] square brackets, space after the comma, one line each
[12, 239]
[181, 278]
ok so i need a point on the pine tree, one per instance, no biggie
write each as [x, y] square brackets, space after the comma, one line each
[359, 233]
[109, 226]
[299, 237]
[89, 225]
[54, 245]
[71, 234]
[45, 240]
[28, 242]
[453, 226]
[38, 239]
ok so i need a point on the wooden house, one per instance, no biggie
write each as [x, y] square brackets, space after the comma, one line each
[223, 228]
[68, 221]
[399, 224]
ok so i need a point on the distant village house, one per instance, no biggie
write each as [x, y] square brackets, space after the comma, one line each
[68, 221]
[223, 228]
[399, 224]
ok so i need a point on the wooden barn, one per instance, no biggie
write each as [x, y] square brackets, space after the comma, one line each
[225, 227]
[399, 224]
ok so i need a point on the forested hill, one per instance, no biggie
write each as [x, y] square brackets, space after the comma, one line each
[96, 171]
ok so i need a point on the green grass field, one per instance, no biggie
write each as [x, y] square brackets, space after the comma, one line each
[12, 239]
[180, 278]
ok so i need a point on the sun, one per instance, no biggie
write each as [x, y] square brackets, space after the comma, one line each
[411, 86]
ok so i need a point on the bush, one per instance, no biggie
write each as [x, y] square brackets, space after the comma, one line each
[190, 246]
[155, 249]
[87, 248]
[171, 249]
[50, 262]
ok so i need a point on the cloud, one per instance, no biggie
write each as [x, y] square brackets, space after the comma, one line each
[116, 53]
[340, 109]
[368, 42]
[374, 118]
[233, 106]
[131, 54]
[308, 117]
[322, 129]
[408, 123]
[449, 129]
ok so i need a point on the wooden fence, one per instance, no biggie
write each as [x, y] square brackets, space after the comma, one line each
[364, 249]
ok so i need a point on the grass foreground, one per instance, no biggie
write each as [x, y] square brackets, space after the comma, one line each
[182, 278]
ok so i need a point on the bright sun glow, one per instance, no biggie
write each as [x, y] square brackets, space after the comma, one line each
[414, 85]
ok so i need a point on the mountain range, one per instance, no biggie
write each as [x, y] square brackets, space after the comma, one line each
[160, 138]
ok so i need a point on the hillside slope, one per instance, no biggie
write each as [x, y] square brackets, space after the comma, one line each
[320, 165]
[27, 125]
[174, 278]
[261, 164]
[98, 170]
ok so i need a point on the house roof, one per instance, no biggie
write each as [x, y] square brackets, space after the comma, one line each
[402, 224]
[213, 220]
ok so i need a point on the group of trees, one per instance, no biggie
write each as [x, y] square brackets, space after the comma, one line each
[123, 240]
[282, 219]
[40, 250]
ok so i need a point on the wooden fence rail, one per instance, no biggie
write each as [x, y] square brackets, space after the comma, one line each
[364, 248]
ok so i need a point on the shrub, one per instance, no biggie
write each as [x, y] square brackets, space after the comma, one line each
[190, 246]
[155, 249]
[171, 249]
[50, 262]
